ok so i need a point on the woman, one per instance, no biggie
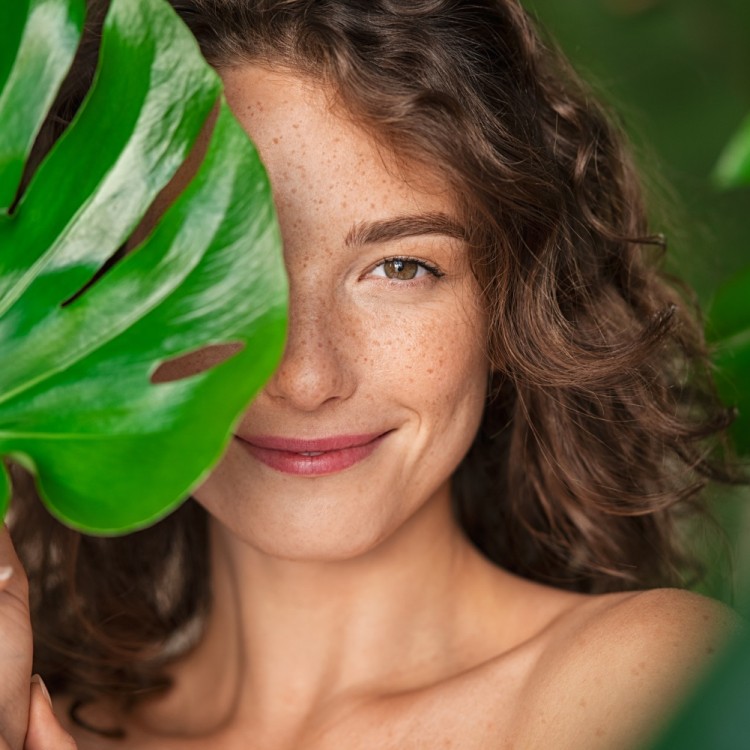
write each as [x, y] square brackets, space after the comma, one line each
[435, 524]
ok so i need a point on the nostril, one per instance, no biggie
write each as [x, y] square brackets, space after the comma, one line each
[312, 372]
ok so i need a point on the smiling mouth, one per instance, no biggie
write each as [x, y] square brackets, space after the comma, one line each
[312, 457]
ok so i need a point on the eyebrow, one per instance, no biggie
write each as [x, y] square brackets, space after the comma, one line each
[385, 230]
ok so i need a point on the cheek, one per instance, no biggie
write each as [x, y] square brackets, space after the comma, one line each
[430, 357]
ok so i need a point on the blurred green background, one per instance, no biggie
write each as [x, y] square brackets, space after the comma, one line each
[677, 74]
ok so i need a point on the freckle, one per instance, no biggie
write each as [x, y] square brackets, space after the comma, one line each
[600, 732]
[582, 703]
[706, 618]
[296, 126]
[275, 140]
[710, 650]
[430, 371]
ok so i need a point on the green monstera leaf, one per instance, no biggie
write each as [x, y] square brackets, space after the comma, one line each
[111, 450]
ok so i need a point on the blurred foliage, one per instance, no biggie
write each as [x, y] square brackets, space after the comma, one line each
[729, 330]
[728, 325]
[733, 168]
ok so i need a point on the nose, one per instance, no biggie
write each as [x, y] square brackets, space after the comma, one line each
[316, 367]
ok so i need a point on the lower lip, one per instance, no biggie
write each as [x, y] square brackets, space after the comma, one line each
[327, 462]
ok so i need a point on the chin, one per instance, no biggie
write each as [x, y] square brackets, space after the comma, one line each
[310, 545]
[305, 530]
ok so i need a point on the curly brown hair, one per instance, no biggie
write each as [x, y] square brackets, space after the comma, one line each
[602, 426]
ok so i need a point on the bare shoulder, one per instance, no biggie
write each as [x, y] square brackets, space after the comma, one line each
[672, 622]
[615, 668]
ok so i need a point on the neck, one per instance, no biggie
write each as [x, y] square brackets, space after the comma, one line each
[287, 638]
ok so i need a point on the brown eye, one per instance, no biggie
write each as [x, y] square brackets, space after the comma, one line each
[401, 269]
[405, 269]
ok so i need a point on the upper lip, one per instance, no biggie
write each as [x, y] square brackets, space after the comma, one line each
[304, 445]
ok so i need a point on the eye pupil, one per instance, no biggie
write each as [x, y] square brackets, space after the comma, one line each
[398, 268]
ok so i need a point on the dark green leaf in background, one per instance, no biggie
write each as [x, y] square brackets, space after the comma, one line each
[733, 167]
[729, 321]
[716, 716]
[729, 331]
[111, 450]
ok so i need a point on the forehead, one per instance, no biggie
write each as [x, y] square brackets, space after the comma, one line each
[324, 167]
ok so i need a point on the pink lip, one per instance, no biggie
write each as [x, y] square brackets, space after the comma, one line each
[335, 453]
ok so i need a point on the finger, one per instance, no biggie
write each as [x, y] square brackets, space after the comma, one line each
[16, 645]
[44, 731]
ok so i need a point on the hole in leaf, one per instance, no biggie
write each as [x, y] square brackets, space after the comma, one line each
[195, 362]
[159, 206]
[70, 96]
[112, 261]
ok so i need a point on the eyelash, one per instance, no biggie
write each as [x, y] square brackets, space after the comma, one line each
[423, 264]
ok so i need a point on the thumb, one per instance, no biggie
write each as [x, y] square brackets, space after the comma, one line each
[45, 731]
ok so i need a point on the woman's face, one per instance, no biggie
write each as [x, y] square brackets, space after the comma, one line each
[382, 384]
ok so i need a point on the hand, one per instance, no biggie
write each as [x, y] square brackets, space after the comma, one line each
[27, 721]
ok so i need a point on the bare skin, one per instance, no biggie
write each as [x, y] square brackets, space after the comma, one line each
[349, 609]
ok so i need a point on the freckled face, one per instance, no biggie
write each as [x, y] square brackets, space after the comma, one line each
[385, 338]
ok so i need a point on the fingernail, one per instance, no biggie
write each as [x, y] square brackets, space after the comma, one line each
[38, 678]
[6, 571]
